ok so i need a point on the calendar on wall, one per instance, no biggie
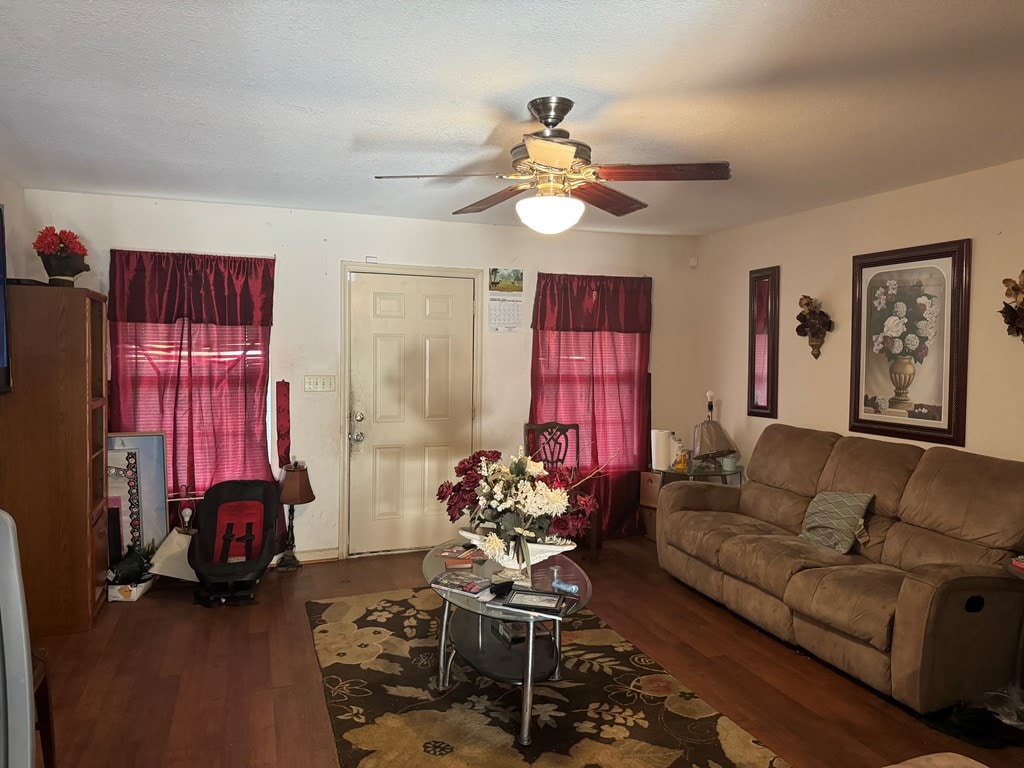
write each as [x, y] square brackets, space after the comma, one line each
[505, 300]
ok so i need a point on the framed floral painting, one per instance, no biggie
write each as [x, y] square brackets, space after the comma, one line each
[908, 371]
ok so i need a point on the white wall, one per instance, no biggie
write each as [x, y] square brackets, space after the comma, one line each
[306, 338]
[815, 250]
[700, 314]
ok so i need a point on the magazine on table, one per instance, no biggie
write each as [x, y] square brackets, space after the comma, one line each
[460, 581]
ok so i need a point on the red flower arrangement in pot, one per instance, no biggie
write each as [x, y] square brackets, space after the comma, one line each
[62, 254]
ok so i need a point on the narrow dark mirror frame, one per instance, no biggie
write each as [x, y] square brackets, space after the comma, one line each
[764, 315]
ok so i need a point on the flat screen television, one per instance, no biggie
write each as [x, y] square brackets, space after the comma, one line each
[5, 344]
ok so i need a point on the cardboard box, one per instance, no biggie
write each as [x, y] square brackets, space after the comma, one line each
[649, 515]
[128, 593]
[650, 487]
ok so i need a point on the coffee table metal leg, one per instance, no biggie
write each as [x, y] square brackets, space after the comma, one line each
[556, 632]
[443, 660]
[527, 707]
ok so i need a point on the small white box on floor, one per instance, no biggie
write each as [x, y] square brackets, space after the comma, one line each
[128, 593]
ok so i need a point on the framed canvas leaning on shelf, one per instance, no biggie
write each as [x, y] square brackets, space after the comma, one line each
[138, 456]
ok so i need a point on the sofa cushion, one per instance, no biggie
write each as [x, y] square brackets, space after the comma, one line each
[790, 457]
[908, 546]
[859, 601]
[864, 465]
[769, 562]
[701, 534]
[967, 496]
[783, 474]
[836, 520]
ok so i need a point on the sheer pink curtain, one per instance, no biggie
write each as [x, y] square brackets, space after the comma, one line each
[190, 342]
[591, 349]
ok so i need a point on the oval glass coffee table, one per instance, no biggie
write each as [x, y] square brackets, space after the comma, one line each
[473, 631]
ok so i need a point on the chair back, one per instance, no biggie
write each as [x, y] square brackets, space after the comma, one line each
[553, 444]
[235, 531]
[17, 708]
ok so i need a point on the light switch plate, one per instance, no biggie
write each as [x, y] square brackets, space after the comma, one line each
[320, 383]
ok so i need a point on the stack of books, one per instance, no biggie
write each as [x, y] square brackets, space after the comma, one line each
[512, 632]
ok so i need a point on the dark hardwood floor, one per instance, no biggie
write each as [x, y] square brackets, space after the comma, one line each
[162, 683]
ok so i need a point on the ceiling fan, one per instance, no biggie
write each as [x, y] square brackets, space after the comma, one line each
[560, 171]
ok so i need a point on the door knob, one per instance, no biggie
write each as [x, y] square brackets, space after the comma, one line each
[356, 437]
[358, 416]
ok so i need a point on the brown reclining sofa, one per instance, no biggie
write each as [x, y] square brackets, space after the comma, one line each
[922, 609]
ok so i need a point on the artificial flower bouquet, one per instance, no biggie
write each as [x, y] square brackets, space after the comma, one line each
[905, 320]
[50, 242]
[62, 253]
[1013, 310]
[520, 501]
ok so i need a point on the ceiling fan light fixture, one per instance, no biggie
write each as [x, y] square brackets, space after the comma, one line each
[550, 214]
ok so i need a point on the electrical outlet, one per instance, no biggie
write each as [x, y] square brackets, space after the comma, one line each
[319, 383]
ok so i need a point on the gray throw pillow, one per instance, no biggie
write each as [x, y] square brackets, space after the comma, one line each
[836, 520]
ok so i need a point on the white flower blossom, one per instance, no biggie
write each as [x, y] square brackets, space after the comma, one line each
[894, 326]
[877, 342]
[911, 342]
[493, 546]
[879, 301]
[897, 346]
[882, 403]
[891, 286]
[899, 309]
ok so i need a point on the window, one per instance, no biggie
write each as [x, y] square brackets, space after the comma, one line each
[190, 340]
[591, 347]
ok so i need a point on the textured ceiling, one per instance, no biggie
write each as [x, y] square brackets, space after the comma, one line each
[299, 103]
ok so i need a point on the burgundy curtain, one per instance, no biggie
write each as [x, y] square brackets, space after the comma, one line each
[190, 344]
[591, 350]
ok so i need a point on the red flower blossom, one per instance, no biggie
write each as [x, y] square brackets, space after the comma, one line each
[50, 242]
[472, 463]
[569, 526]
[444, 490]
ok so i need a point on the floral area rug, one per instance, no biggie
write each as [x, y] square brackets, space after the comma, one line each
[614, 706]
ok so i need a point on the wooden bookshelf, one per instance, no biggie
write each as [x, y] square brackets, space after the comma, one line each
[53, 452]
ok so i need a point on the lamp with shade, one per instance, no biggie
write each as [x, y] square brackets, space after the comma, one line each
[710, 443]
[295, 489]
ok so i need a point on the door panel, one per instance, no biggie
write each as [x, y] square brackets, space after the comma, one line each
[411, 342]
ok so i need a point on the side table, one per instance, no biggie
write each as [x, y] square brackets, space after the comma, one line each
[652, 481]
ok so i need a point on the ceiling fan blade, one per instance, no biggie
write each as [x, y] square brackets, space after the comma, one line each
[498, 197]
[666, 172]
[449, 176]
[608, 199]
[549, 153]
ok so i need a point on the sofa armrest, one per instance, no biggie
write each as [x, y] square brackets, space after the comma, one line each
[697, 495]
[955, 634]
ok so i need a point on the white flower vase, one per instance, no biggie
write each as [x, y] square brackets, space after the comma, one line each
[538, 551]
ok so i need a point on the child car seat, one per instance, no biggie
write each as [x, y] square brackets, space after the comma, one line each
[235, 539]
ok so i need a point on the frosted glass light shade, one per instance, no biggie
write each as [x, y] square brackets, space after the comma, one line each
[549, 214]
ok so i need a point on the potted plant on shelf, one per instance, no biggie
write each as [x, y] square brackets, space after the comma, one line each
[63, 255]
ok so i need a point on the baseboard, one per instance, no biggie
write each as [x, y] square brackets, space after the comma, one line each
[314, 556]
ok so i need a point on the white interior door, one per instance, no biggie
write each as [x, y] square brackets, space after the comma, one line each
[411, 403]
